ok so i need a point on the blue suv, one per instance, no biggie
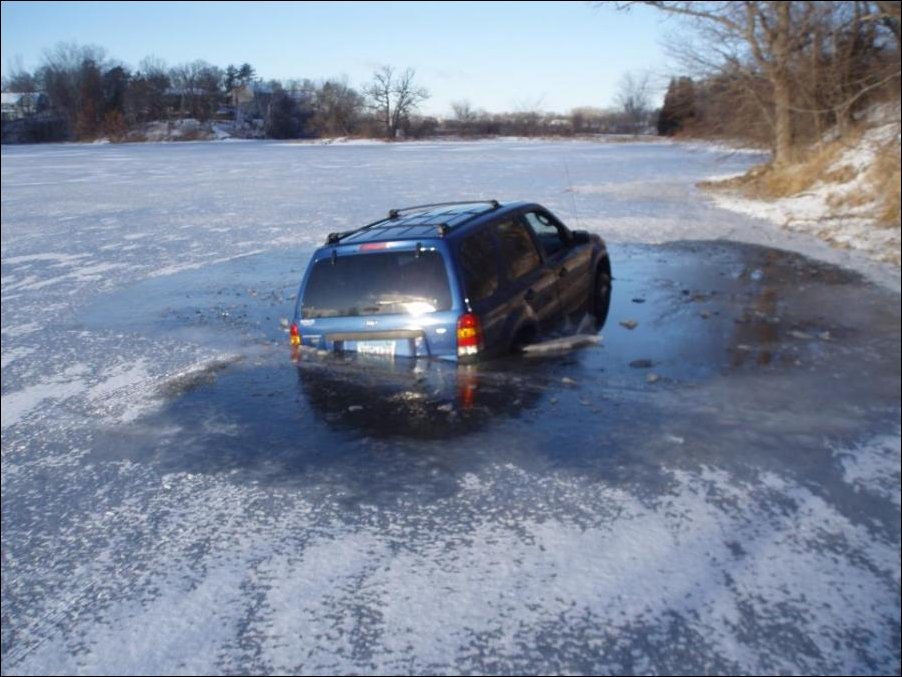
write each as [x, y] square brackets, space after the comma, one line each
[456, 280]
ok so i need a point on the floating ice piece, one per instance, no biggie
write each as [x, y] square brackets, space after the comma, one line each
[563, 343]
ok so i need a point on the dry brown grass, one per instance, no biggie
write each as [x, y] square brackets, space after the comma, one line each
[885, 178]
[771, 181]
[881, 185]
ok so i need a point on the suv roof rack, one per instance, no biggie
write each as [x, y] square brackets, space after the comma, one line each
[443, 228]
[335, 238]
[395, 213]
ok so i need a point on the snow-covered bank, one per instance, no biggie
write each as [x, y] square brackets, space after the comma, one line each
[811, 214]
[847, 205]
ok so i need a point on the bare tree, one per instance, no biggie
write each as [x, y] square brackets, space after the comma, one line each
[589, 120]
[463, 111]
[890, 15]
[526, 118]
[19, 80]
[465, 116]
[70, 76]
[338, 107]
[394, 96]
[634, 99]
[198, 86]
[848, 59]
[797, 67]
[763, 34]
[145, 98]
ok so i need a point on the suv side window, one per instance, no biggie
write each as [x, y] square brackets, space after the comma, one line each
[517, 249]
[547, 232]
[478, 265]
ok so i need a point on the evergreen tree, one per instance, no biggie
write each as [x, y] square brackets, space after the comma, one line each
[231, 78]
[678, 110]
[246, 74]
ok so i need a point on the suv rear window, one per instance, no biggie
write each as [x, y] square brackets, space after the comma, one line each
[377, 284]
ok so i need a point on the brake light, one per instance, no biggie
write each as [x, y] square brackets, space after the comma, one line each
[469, 334]
[294, 334]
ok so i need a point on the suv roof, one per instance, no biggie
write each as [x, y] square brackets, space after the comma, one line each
[438, 220]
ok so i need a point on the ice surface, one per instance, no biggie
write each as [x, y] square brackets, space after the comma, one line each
[178, 497]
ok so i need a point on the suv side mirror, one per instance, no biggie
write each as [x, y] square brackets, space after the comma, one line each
[579, 237]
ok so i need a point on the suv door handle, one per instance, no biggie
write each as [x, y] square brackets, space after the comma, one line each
[529, 295]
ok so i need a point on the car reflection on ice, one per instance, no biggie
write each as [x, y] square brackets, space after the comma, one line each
[385, 397]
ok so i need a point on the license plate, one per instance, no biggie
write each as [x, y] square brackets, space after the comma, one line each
[376, 348]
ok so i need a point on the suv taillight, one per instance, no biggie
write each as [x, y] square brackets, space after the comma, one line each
[294, 334]
[469, 335]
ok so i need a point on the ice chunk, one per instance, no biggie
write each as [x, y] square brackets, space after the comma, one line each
[562, 343]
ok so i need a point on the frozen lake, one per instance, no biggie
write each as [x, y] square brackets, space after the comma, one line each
[716, 490]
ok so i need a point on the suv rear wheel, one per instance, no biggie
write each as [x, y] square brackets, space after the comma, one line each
[525, 336]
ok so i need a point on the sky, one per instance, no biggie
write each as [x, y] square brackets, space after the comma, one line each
[499, 56]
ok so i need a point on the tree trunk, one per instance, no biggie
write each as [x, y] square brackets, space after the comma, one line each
[783, 137]
[389, 130]
[778, 74]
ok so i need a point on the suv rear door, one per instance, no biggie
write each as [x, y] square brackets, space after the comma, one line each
[477, 259]
[529, 281]
[571, 263]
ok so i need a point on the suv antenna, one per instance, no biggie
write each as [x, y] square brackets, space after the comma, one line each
[572, 198]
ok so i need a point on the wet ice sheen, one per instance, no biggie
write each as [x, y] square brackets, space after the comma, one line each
[178, 496]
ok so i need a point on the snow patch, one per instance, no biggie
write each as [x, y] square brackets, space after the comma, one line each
[874, 466]
[19, 404]
[45, 256]
[178, 268]
[22, 329]
[10, 355]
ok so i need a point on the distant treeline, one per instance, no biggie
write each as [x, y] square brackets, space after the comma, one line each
[779, 74]
[77, 93]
